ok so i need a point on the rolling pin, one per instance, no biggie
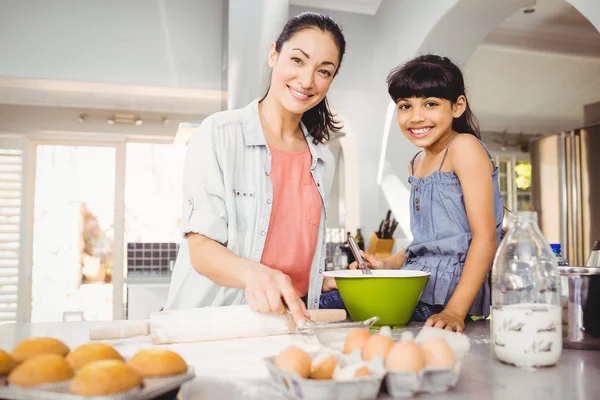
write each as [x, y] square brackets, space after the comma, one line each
[230, 322]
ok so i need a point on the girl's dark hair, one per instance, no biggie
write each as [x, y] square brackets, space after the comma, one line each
[319, 120]
[433, 76]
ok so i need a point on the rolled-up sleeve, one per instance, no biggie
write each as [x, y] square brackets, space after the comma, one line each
[204, 209]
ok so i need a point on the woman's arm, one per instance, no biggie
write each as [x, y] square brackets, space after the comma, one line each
[265, 287]
[205, 224]
[472, 165]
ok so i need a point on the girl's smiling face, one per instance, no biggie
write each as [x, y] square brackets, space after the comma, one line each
[304, 69]
[426, 120]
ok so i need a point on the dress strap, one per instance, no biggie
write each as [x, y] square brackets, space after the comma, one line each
[480, 142]
[446, 152]
[412, 163]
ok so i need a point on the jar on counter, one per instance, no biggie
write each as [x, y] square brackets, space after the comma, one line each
[526, 310]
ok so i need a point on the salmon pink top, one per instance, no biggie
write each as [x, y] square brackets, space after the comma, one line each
[294, 225]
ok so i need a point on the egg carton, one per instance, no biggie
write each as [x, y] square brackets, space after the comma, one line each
[299, 388]
[152, 388]
[430, 380]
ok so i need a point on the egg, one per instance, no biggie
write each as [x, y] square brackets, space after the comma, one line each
[376, 345]
[294, 359]
[438, 353]
[405, 356]
[323, 366]
[351, 371]
[356, 340]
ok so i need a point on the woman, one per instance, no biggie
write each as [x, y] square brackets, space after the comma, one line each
[256, 182]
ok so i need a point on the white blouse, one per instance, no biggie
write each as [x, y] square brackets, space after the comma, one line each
[227, 196]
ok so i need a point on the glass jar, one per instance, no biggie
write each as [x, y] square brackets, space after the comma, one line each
[526, 327]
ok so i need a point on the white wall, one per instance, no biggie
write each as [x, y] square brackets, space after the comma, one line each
[374, 46]
[34, 120]
[174, 43]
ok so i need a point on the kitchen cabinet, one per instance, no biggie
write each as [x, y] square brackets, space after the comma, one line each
[146, 295]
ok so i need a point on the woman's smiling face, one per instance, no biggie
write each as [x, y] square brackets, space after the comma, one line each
[304, 69]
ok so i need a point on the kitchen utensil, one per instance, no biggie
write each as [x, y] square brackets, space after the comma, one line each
[379, 232]
[356, 252]
[594, 258]
[120, 330]
[580, 300]
[392, 295]
[229, 322]
[153, 388]
[332, 335]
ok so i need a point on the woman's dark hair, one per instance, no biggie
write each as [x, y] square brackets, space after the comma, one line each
[319, 120]
[433, 76]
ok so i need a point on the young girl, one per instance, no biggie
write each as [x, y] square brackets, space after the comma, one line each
[456, 207]
[255, 184]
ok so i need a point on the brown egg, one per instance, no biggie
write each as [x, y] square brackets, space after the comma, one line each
[405, 357]
[356, 340]
[323, 367]
[376, 345]
[438, 353]
[351, 371]
[294, 359]
[362, 371]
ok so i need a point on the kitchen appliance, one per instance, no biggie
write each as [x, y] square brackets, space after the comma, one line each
[580, 300]
[594, 258]
[565, 189]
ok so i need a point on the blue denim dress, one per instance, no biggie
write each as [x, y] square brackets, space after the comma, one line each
[442, 236]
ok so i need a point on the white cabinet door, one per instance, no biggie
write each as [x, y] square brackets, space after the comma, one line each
[143, 299]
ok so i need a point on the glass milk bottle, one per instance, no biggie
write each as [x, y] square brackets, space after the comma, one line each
[526, 311]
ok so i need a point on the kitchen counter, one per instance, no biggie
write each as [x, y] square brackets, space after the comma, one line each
[150, 279]
[235, 370]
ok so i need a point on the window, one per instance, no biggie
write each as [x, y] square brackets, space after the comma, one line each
[514, 177]
[11, 161]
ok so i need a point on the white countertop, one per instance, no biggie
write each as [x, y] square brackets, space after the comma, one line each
[223, 368]
[234, 369]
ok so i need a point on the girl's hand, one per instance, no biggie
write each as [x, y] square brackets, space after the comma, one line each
[328, 284]
[371, 261]
[448, 320]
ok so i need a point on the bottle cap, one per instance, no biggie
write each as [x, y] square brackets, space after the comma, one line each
[555, 247]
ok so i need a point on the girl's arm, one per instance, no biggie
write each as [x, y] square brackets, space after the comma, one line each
[473, 167]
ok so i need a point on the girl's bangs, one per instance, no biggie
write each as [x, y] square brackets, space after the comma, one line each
[422, 81]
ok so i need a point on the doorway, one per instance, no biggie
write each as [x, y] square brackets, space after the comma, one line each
[73, 232]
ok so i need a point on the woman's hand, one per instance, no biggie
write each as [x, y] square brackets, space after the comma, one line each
[370, 260]
[328, 284]
[448, 320]
[266, 291]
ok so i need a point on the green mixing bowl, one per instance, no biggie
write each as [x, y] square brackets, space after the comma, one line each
[391, 295]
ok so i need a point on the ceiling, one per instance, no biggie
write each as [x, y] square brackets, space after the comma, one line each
[368, 7]
[535, 72]
[92, 95]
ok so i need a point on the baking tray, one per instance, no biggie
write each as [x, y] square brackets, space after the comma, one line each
[152, 388]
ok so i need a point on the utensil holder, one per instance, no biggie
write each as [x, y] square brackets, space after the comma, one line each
[380, 248]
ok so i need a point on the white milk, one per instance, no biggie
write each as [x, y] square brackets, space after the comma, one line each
[527, 335]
